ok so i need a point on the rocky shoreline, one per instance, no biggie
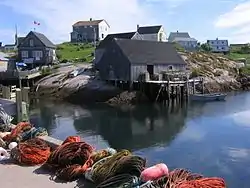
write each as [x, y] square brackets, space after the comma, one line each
[219, 75]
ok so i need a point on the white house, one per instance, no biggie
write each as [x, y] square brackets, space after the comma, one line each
[183, 39]
[219, 45]
[152, 33]
[89, 31]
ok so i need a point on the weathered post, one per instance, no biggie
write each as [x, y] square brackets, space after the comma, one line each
[25, 94]
[6, 92]
[193, 86]
[19, 104]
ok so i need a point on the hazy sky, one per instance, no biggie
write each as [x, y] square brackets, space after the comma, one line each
[203, 19]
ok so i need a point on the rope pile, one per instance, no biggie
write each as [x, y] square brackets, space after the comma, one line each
[32, 152]
[24, 131]
[122, 162]
[182, 178]
[68, 160]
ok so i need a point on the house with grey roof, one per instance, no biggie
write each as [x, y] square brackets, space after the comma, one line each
[100, 49]
[89, 31]
[127, 59]
[152, 33]
[184, 40]
[36, 49]
[219, 45]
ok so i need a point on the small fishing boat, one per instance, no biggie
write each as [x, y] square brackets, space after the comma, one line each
[208, 97]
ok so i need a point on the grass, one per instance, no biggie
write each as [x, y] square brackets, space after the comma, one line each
[237, 51]
[75, 52]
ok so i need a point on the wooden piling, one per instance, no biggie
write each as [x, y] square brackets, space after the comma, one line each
[25, 94]
[6, 92]
[19, 104]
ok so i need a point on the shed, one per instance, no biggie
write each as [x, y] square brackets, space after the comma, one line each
[127, 59]
[100, 49]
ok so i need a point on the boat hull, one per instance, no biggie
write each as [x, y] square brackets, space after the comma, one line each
[208, 97]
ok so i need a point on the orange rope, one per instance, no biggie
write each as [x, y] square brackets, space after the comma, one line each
[32, 152]
[72, 139]
[68, 159]
[204, 183]
[15, 133]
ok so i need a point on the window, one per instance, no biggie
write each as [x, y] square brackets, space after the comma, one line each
[102, 35]
[170, 67]
[37, 54]
[24, 54]
[31, 42]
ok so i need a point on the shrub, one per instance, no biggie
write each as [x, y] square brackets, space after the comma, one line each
[64, 61]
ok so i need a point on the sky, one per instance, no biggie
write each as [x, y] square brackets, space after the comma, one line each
[203, 19]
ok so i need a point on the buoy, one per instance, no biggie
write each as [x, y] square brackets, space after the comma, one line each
[3, 154]
[154, 172]
[12, 145]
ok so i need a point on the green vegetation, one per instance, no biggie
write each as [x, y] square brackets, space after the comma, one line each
[79, 52]
[245, 70]
[239, 51]
[205, 47]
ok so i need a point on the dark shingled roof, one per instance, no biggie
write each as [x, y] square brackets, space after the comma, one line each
[44, 39]
[149, 29]
[141, 51]
[174, 35]
[109, 38]
[40, 37]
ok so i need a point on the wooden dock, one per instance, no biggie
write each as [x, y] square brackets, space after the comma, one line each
[15, 101]
[165, 86]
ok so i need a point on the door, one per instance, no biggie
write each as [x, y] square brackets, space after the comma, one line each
[150, 69]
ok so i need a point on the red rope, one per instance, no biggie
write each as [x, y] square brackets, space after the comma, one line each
[204, 183]
[68, 159]
[32, 152]
[72, 139]
[15, 133]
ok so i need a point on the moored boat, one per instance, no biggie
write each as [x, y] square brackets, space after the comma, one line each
[208, 97]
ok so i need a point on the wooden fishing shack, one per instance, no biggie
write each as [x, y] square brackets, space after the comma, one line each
[153, 67]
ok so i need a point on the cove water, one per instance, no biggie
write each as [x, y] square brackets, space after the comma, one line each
[208, 138]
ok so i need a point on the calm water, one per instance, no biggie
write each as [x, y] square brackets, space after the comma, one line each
[212, 139]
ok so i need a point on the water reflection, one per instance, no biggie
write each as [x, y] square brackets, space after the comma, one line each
[136, 128]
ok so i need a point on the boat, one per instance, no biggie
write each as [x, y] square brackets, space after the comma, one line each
[208, 97]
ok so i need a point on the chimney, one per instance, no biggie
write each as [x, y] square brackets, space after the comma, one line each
[138, 26]
[90, 19]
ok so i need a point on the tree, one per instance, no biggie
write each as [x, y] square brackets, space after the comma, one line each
[205, 47]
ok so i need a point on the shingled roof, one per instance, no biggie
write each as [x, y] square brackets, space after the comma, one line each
[149, 52]
[40, 37]
[177, 34]
[149, 29]
[109, 37]
[89, 23]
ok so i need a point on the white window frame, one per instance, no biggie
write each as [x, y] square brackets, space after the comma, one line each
[37, 54]
[31, 42]
[25, 54]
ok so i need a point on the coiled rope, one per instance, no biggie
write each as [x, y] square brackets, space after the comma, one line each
[120, 163]
[120, 181]
[32, 152]
[24, 131]
[15, 135]
[204, 183]
[68, 160]
[33, 133]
